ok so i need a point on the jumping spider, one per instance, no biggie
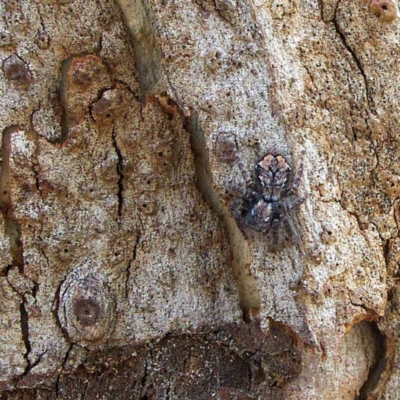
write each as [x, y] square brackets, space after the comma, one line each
[269, 202]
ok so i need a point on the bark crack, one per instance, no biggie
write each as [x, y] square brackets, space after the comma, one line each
[23, 292]
[321, 7]
[128, 269]
[356, 59]
[35, 161]
[25, 335]
[62, 93]
[13, 232]
[370, 312]
[144, 379]
[43, 253]
[120, 168]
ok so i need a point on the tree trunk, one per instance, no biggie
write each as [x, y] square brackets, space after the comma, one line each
[199, 199]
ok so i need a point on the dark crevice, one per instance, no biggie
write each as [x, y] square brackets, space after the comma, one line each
[321, 7]
[43, 253]
[62, 94]
[56, 310]
[378, 367]
[37, 179]
[201, 5]
[24, 320]
[35, 289]
[100, 45]
[11, 226]
[120, 167]
[127, 87]
[143, 381]
[168, 391]
[377, 230]
[38, 360]
[25, 335]
[35, 161]
[67, 355]
[355, 58]
[386, 251]
[128, 270]
[57, 386]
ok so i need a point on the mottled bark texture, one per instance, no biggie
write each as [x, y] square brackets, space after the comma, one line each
[126, 129]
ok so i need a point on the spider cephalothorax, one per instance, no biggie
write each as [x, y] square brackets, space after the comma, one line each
[272, 173]
[269, 201]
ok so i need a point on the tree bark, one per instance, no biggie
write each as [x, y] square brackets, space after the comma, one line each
[130, 131]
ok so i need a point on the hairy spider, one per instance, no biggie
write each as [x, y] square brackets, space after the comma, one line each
[269, 202]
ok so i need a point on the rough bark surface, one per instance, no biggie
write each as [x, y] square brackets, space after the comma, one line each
[125, 127]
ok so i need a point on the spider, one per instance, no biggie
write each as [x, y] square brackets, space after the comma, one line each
[268, 204]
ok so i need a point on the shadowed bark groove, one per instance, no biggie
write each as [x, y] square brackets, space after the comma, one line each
[248, 291]
[378, 367]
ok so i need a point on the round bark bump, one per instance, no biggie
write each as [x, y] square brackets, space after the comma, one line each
[85, 71]
[225, 148]
[384, 9]
[15, 69]
[328, 234]
[87, 308]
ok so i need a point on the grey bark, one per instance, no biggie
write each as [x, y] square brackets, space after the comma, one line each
[125, 128]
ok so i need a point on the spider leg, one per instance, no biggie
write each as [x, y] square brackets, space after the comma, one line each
[243, 193]
[276, 234]
[298, 176]
[285, 226]
[275, 240]
[291, 203]
[236, 209]
[238, 191]
[247, 177]
[292, 229]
